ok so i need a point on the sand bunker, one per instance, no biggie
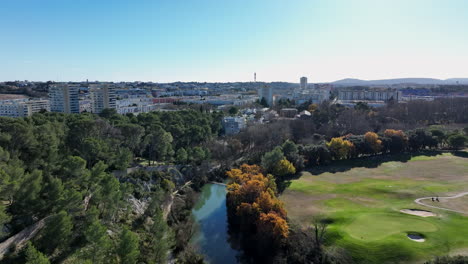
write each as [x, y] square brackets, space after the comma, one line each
[418, 212]
[416, 237]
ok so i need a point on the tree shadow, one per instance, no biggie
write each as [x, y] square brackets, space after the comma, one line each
[460, 153]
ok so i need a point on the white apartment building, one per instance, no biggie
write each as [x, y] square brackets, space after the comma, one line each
[102, 97]
[314, 96]
[22, 107]
[37, 105]
[233, 125]
[136, 105]
[64, 98]
[370, 95]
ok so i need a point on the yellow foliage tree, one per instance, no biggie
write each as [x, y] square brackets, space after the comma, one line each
[373, 140]
[284, 168]
[339, 147]
[312, 108]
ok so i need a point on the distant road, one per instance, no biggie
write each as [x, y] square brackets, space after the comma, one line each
[419, 201]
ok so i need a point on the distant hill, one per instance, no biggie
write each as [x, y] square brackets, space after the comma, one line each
[358, 82]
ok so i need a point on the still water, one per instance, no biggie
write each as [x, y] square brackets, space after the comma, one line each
[211, 237]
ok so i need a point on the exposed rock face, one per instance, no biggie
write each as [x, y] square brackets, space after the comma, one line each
[138, 206]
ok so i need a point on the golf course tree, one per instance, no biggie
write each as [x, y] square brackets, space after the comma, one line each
[440, 135]
[291, 152]
[457, 141]
[276, 162]
[340, 148]
[271, 159]
[255, 210]
[421, 139]
[394, 141]
[315, 154]
[284, 168]
[373, 141]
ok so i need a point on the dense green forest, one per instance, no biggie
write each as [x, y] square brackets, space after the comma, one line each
[56, 171]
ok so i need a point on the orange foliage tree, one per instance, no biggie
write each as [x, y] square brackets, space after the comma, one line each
[252, 200]
[374, 142]
[393, 132]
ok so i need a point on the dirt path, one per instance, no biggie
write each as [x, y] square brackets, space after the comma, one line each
[419, 201]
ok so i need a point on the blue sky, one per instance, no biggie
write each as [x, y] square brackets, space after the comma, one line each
[228, 40]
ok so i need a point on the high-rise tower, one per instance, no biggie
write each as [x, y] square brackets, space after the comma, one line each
[102, 98]
[303, 82]
[64, 98]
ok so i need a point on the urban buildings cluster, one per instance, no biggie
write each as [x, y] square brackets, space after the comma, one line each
[314, 93]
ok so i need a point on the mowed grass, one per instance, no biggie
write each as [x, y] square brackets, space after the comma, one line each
[377, 226]
[363, 202]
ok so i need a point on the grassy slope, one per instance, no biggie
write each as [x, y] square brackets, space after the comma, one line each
[364, 205]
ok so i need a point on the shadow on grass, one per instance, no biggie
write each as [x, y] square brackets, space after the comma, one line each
[365, 162]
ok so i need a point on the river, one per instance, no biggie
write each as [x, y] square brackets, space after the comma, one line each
[211, 237]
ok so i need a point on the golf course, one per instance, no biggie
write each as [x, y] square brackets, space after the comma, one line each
[370, 205]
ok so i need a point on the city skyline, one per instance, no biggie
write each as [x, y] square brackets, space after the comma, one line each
[168, 41]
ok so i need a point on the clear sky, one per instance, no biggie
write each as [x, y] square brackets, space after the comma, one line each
[229, 40]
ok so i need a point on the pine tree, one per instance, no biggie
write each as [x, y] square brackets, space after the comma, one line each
[128, 247]
[99, 242]
[33, 256]
[57, 232]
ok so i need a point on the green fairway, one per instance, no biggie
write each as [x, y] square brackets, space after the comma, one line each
[371, 227]
[363, 201]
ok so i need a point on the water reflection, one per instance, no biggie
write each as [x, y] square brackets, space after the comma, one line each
[211, 237]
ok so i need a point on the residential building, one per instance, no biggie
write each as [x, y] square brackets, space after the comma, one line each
[233, 125]
[22, 107]
[288, 112]
[303, 82]
[63, 98]
[10, 108]
[267, 93]
[102, 97]
[314, 96]
[370, 95]
[37, 105]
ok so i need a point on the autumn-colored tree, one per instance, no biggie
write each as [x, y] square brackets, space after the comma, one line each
[267, 203]
[339, 147]
[252, 195]
[372, 139]
[397, 140]
[393, 132]
[272, 225]
[312, 108]
[284, 168]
